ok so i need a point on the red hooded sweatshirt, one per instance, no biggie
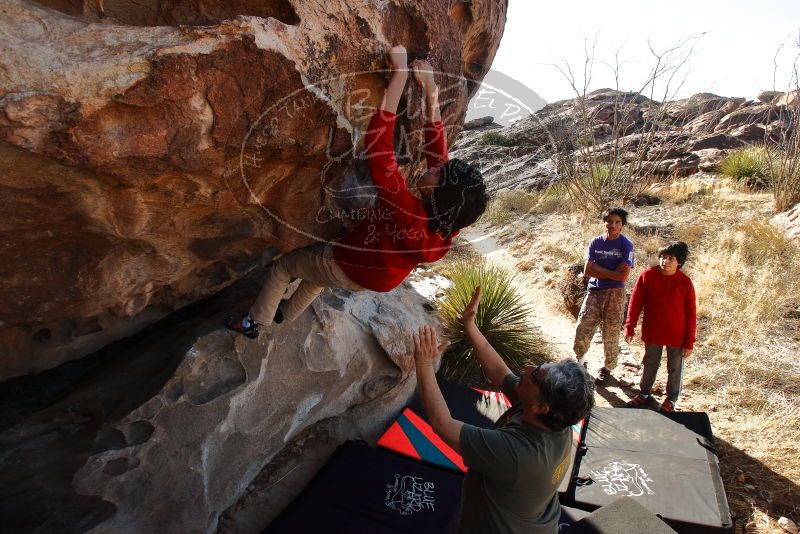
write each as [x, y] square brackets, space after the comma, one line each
[670, 317]
[395, 237]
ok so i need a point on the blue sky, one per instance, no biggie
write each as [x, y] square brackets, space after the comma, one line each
[733, 58]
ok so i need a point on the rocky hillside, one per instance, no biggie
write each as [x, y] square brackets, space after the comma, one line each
[673, 138]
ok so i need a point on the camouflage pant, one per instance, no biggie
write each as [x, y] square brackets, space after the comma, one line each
[601, 307]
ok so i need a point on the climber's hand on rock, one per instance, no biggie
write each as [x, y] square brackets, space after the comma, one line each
[423, 73]
[425, 347]
[398, 58]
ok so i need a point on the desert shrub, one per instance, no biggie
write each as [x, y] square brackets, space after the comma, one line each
[748, 165]
[681, 191]
[783, 162]
[784, 180]
[502, 318]
[553, 199]
[495, 138]
[596, 185]
[783, 171]
[509, 205]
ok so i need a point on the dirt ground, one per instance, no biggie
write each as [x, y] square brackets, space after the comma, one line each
[758, 489]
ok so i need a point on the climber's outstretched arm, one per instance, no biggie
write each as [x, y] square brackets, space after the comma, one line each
[398, 62]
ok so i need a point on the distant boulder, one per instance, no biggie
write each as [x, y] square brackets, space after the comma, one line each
[789, 221]
[710, 158]
[478, 123]
[751, 114]
[699, 104]
[768, 97]
[718, 141]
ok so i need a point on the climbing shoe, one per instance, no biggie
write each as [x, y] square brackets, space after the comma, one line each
[639, 401]
[237, 325]
[667, 406]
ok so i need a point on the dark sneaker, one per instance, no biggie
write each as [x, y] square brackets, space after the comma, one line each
[234, 324]
[667, 406]
[639, 401]
[603, 375]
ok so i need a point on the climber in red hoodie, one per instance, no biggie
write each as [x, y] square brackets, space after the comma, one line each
[401, 231]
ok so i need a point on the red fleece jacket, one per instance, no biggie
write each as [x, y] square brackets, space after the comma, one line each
[670, 316]
[395, 238]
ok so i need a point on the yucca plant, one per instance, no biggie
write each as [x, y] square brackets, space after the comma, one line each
[502, 317]
[749, 165]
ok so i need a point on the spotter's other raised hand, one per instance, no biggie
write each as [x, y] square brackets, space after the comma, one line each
[471, 310]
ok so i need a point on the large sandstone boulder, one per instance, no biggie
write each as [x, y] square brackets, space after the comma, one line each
[745, 115]
[171, 430]
[154, 152]
[779, 98]
[700, 104]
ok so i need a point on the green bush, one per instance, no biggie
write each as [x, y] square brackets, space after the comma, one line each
[495, 138]
[502, 317]
[749, 165]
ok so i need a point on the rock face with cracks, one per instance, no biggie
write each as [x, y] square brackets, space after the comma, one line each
[154, 152]
[185, 456]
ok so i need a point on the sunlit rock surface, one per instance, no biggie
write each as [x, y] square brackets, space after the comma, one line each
[151, 153]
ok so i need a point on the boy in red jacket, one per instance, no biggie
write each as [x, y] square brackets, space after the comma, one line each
[401, 231]
[670, 320]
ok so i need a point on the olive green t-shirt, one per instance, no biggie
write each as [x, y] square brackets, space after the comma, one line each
[514, 473]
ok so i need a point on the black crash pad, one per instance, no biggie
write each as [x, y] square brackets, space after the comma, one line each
[362, 490]
[666, 463]
[622, 515]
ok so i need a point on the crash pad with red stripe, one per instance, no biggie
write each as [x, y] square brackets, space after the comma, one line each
[411, 434]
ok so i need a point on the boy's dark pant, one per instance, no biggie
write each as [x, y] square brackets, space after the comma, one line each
[651, 362]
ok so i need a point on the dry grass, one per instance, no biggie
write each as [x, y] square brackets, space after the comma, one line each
[741, 282]
[510, 206]
[745, 371]
[680, 191]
